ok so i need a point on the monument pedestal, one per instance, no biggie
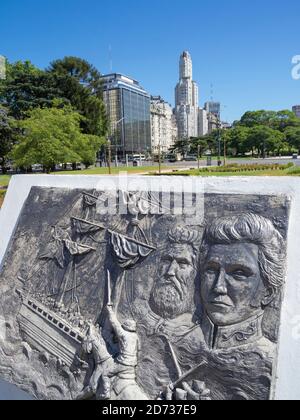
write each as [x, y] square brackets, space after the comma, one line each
[109, 283]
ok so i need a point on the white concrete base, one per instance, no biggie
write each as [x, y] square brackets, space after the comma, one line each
[288, 373]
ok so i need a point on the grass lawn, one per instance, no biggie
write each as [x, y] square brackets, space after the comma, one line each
[4, 180]
[242, 170]
[242, 173]
[2, 195]
[104, 171]
[295, 171]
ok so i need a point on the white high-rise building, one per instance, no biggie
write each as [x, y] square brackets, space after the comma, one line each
[163, 134]
[203, 126]
[174, 129]
[186, 99]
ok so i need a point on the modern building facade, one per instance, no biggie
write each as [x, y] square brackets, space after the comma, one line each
[174, 129]
[186, 99]
[213, 108]
[128, 110]
[202, 122]
[296, 110]
[214, 122]
[162, 125]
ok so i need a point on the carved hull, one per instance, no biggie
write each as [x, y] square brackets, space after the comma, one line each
[47, 332]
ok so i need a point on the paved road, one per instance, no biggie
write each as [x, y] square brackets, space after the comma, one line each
[203, 163]
[184, 164]
[240, 161]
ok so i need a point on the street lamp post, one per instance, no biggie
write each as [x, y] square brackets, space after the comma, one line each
[159, 157]
[225, 145]
[115, 126]
[219, 141]
[109, 156]
[225, 152]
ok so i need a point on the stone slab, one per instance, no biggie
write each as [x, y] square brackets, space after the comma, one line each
[276, 199]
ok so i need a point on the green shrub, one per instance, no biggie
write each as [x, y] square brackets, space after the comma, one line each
[235, 167]
[294, 171]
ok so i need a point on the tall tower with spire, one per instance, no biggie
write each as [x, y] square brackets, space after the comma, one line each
[186, 99]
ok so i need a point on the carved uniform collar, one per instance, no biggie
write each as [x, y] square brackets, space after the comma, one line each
[182, 322]
[247, 332]
[172, 329]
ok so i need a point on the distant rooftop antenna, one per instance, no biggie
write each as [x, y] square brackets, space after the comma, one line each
[211, 92]
[110, 59]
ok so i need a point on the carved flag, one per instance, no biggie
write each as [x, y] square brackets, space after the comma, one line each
[77, 249]
[85, 227]
[129, 252]
[89, 200]
[56, 248]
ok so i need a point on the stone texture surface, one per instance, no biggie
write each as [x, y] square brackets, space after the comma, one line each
[122, 306]
[52, 346]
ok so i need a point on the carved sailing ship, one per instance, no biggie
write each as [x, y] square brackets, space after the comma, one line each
[50, 319]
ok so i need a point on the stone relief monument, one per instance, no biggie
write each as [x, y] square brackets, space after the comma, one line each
[144, 305]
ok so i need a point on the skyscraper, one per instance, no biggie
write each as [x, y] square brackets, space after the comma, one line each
[296, 110]
[203, 126]
[128, 110]
[213, 108]
[186, 99]
[162, 125]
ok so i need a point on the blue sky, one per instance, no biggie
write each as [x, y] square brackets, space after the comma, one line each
[244, 48]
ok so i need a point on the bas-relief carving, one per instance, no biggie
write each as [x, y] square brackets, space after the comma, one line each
[143, 306]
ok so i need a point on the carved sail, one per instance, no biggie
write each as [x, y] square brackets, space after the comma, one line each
[129, 251]
[61, 241]
[143, 203]
[75, 248]
[65, 249]
[82, 226]
[89, 200]
[54, 251]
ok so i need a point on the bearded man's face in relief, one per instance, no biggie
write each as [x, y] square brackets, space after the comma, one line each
[173, 292]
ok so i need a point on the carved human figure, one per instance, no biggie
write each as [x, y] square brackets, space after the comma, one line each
[125, 385]
[166, 318]
[171, 307]
[196, 391]
[104, 364]
[243, 271]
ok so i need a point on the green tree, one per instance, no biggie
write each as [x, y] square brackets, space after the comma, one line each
[26, 87]
[52, 136]
[237, 140]
[285, 119]
[199, 144]
[181, 146]
[277, 120]
[89, 147]
[264, 140]
[292, 135]
[7, 137]
[255, 118]
[81, 84]
[81, 70]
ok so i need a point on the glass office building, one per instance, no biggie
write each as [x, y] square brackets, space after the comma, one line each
[296, 110]
[128, 109]
[213, 108]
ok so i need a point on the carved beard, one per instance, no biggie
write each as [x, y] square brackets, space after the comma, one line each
[169, 302]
